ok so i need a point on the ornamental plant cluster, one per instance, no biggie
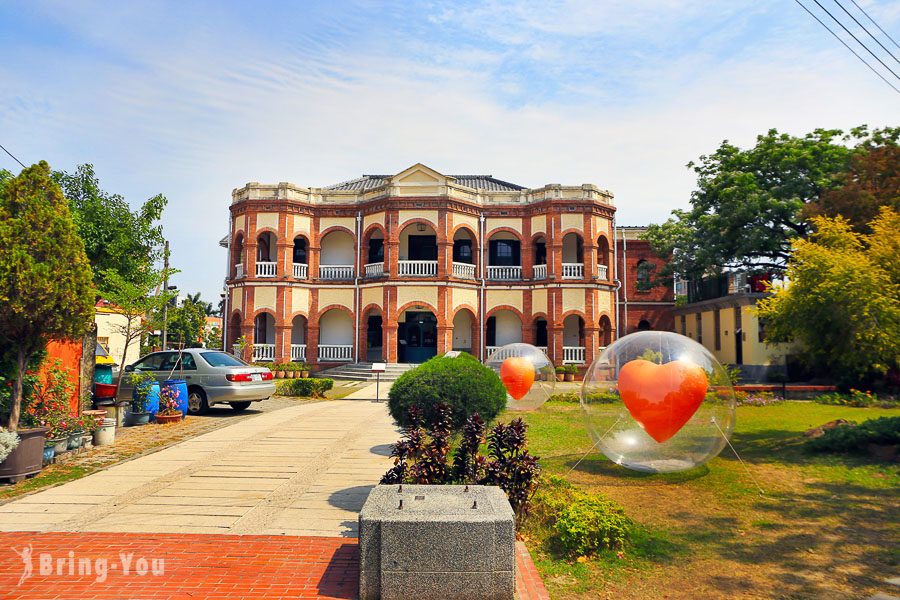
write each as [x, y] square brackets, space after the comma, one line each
[853, 438]
[49, 405]
[425, 456]
[304, 388]
[168, 401]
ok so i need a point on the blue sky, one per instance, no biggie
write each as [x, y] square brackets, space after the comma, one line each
[193, 99]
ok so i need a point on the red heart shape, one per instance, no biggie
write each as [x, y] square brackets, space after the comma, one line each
[517, 375]
[662, 398]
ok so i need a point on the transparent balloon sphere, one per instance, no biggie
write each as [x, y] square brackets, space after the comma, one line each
[658, 402]
[526, 373]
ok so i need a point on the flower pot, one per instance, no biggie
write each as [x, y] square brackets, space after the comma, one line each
[48, 455]
[75, 440]
[560, 377]
[304, 374]
[95, 413]
[164, 419]
[106, 434]
[60, 445]
[28, 457]
[87, 439]
[279, 374]
[570, 376]
[180, 386]
[133, 419]
[291, 374]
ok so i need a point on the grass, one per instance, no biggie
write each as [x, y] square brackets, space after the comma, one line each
[824, 528]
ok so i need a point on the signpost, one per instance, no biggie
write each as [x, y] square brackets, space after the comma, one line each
[378, 369]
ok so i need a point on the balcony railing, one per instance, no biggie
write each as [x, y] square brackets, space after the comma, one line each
[602, 272]
[336, 272]
[573, 271]
[263, 352]
[540, 271]
[495, 273]
[238, 271]
[542, 349]
[300, 270]
[374, 269]
[335, 353]
[298, 351]
[418, 268]
[266, 269]
[463, 270]
[573, 355]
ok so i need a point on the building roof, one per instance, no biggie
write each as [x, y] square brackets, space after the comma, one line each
[479, 182]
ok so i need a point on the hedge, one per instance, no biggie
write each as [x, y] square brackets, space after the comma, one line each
[308, 387]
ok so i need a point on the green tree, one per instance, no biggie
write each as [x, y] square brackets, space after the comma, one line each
[115, 237]
[843, 300]
[749, 203]
[186, 323]
[45, 278]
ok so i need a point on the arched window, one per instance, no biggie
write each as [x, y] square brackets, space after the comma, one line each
[644, 273]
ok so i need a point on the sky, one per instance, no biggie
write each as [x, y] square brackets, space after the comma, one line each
[194, 99]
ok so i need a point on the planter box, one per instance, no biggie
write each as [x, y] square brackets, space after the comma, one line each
[27, 459]
[442, 542]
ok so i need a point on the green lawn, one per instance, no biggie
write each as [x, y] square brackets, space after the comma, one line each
[826, 526]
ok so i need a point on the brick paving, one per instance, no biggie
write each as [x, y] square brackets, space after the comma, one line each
[195, 566]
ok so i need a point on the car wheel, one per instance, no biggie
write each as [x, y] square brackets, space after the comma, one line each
[239, 406]
[197, 404]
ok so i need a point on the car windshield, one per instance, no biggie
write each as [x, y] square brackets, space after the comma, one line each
[221, 359]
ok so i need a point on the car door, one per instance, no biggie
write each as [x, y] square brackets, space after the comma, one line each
[151, 363]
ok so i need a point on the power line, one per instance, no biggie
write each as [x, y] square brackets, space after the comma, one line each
[833, 18]
[861, 59]
[13, 157]
[877, 41]
[874, 23]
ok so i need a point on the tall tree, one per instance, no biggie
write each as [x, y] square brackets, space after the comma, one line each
[45, 278]
[187, 322]
[115, 237]
[843, 300]
[748, 205]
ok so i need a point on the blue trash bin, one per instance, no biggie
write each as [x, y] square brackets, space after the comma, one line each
[180, 386]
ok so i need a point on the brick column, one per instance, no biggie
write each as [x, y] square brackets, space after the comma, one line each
[312, 343]
[282, 343]
[251, 259]
[284, 253]
[444, 339]
[389, 341]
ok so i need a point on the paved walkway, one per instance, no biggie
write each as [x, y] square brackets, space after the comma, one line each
[301, 470]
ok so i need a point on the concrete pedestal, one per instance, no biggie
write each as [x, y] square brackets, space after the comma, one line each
[437, 542]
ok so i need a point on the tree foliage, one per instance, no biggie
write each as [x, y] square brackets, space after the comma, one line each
[46, 291]
[843, 300]
[115, 237]
[186, 323]
[749, 203]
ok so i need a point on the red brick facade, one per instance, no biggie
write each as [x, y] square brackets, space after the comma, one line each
[641, 302]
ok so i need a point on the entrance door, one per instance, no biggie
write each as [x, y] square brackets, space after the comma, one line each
[738, 337]
[417, 337]
[373, 339]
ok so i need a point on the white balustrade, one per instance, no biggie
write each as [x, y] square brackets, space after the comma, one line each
[540, 271]
[298, 352]
[236, 350]
[602, 271]
[573, 355]
[238, 271]
[300, 270]
[263, 352]
[463, 270]
[336, 272]
[542, 349]
[418, 268]
[573, 271]
[374, 269]
[335, 352]
[496, 273]
[266, 269]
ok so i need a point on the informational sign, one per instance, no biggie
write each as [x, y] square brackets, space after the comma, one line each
[379, 367]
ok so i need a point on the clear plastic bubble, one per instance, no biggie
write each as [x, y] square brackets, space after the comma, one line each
[526, 373]
[658, 402]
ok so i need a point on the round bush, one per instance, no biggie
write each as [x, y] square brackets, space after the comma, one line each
[462, 383]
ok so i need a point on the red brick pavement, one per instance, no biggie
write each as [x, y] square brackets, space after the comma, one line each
[195, 566]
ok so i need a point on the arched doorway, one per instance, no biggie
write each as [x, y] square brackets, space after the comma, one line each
[573, 340]
[603, 258]
[416, 336]
[539, 248]
[418, 251]
[237, 257]
[298, 339]
[234, 332]
[374, 337]
[644, 325]
[605, 331]
[573, 257]
[541, 336]
[300, 257]
[464, 252]
[337, 256]
[464, 331]
[264, 338]
[335, 336]
[265, 255]
[374, 254]
[502, 328]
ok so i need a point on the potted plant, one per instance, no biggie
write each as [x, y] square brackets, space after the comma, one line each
[279, 370]
[560, 373]
[571, 371]
[169, 408]
[291, 370]
[76, 432]
[140, 395]
[239, 345]
[304, 370]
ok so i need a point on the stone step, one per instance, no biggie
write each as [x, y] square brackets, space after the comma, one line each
[363, 372]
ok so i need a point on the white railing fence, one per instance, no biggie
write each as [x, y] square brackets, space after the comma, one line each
[540, 271]
[266, 269]
[300, 270]
[463, 270]
[496, 273]
[374, 269]
[335, 272]
[298, 351]
[573, 355]
[418, 268]
[602, 271]
[335, 352]
[573, 271]
[238, 271]
[263, 352]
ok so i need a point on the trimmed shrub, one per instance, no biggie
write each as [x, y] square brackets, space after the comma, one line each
[307, 388]
[462, 383]
[884, 431]
[856, 398]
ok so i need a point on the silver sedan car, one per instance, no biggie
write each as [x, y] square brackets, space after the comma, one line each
[212, 376]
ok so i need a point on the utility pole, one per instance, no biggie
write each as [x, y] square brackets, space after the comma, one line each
[166, 293]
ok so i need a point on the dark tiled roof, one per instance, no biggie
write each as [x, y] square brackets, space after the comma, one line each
[480, 182]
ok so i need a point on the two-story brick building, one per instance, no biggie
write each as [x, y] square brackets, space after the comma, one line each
[402, 267]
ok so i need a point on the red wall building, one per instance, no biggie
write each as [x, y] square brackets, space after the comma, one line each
[641, 303]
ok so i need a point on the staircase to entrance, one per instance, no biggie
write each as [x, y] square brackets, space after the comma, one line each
[363, 371]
